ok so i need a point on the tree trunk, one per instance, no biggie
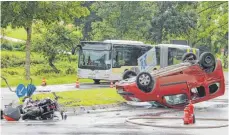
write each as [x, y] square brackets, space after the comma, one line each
[53, 66]
[28, 44]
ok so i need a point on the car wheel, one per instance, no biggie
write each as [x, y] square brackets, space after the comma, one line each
[96, 81]
[128, 74]
[207, 60]
[189, 57]
[145, 82]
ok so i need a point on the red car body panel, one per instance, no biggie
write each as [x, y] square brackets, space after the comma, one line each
[178, 83]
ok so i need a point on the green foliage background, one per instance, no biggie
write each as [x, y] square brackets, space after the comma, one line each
[56, 34]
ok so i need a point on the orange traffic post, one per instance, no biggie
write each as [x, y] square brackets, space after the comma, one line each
[43, 82]
[111, 85]
[116, 84]
[186, 115]
[77, 83]
[191, 110]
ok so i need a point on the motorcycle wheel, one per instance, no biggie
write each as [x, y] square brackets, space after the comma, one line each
[29, 115]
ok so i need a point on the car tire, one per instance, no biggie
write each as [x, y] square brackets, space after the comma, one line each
[128, 74]
[96, 81]
[194, 119]
[1, 114]
[207, 60]
[189, 57]
[145, 82]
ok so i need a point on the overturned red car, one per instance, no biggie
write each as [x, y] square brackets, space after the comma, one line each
[173, 86]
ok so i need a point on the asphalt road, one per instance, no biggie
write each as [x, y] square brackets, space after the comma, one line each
[113, 121]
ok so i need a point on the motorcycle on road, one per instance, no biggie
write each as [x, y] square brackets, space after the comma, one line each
[45, 109]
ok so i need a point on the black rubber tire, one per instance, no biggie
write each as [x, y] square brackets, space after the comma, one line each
[30, 115]
[96, 81]
[194, 119]
[186, 57]
[128, 74]
[2, 114]
[147, 87]
[48, 116]
[207, 60]
[135, 69]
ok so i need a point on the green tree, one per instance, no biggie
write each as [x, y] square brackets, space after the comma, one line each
[122, 20]
[86, 22]
[212, 27]
[24, 13]
[172, 20]
[57, 40]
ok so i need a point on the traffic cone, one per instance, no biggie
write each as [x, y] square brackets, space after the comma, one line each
[43, 82]
[111, 85]
[77, 83]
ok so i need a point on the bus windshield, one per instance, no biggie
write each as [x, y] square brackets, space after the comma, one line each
[95, 57]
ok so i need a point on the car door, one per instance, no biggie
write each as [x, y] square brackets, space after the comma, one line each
[174, 90]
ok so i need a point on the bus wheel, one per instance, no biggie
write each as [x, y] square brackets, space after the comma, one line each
[145, 82]
[96, 81]
[128, 74]
[189, 57]
[207, 60]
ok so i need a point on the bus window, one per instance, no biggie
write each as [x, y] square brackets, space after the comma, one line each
[127, 55]
[175, 55]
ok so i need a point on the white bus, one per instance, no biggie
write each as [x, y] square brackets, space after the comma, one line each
[109, 59]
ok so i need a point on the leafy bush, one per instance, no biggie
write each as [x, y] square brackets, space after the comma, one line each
[11, 72]
[70, 70]
[6, 46]
[45, 71]
[16, 59]
[18, 46]
[9, 45]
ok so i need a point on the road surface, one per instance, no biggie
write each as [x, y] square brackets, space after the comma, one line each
[113, 121]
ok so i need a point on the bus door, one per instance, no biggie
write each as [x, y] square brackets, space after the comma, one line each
[175, 54]
[163, 56]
